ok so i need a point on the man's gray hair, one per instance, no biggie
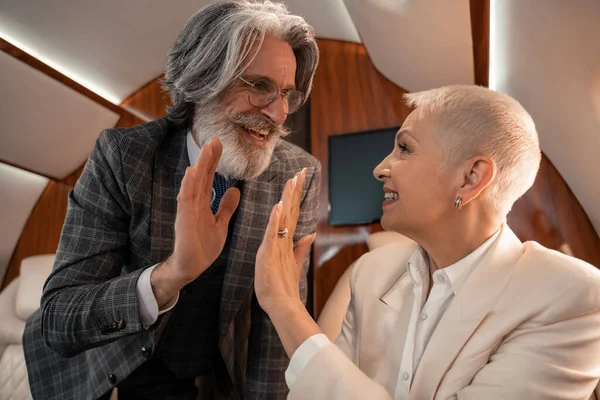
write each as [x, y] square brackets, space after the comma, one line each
[220, 40]
[471, 121]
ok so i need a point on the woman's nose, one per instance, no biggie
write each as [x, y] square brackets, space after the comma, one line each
[381, 171]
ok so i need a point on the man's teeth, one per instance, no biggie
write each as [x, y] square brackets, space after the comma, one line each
[391, 196]
[263, 132]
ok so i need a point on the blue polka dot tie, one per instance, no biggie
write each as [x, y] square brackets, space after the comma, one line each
[220, 186]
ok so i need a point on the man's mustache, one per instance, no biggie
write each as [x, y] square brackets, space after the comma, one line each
[256, 122]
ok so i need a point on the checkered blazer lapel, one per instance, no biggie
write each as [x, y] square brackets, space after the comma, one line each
[170, 164]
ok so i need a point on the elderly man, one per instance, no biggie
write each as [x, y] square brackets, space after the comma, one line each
[153, 286]
[464, 312]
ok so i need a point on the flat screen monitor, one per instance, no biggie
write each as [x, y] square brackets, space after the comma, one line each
[355, 196]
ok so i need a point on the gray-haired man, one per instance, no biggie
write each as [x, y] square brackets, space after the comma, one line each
[152, 286]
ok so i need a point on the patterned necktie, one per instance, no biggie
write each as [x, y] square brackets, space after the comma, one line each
[220, 186]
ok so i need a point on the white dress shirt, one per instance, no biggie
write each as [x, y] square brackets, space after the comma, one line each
[425, 315]
[148, 306]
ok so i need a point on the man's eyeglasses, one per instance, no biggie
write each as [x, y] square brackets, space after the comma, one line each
[262, 92]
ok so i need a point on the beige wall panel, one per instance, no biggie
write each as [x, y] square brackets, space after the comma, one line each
[546, 54]
[330, 18]
[46, 126]
[417, 44]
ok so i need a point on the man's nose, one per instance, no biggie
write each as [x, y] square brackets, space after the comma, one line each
[276, 111]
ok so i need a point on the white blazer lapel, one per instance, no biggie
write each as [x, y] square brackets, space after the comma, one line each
[399, 301]
[384, 311]
[465, 313]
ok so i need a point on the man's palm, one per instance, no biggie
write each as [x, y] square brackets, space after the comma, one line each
[199, 235]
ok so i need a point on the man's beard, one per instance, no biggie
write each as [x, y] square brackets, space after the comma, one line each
[241, 160]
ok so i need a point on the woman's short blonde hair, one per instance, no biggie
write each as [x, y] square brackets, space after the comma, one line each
[473, 120]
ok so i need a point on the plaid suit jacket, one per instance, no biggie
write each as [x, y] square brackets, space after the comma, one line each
[88, 334]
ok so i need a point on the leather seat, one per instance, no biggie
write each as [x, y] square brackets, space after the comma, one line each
[17, 302]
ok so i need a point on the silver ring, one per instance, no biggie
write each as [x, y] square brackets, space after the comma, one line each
[282, 232]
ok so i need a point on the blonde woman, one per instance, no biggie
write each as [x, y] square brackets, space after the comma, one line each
[468, 312]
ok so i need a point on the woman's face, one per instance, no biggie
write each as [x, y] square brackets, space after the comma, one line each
[417, 198]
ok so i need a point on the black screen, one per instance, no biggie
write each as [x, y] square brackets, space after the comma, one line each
[355, 196]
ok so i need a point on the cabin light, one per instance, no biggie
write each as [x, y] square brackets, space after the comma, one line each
[100, 91]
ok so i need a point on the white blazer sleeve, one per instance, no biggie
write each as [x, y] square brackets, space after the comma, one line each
[332, 373]
[346, 340]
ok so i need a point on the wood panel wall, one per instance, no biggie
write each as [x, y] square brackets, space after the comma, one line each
[550, 214]
[42, 230]
[480, 33]
[149, 102]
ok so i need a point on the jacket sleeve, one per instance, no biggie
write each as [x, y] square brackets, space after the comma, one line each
[86, 301]
[333, 373]
[346, 340]
[267, 360]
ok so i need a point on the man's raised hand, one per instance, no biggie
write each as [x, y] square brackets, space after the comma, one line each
[199, 235]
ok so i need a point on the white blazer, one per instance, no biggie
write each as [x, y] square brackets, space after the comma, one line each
[525, 325]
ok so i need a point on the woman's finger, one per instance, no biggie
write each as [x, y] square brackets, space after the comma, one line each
[272, 225]
[286, 197]
[301, 250]
[293, 210]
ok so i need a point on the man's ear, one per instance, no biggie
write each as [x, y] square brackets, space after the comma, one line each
[478, 173]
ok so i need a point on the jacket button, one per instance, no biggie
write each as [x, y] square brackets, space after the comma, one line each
[112, 378]
[146, 352]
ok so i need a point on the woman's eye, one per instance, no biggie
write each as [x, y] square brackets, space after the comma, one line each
[403, 148]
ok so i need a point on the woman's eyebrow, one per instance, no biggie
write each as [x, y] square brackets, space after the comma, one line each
[405, 132]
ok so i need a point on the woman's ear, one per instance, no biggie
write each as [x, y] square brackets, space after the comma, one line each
[479, 172]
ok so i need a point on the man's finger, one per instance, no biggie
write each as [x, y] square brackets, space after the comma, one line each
[228, 205]
[201, 167]
[217, 150]
[186, 190]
